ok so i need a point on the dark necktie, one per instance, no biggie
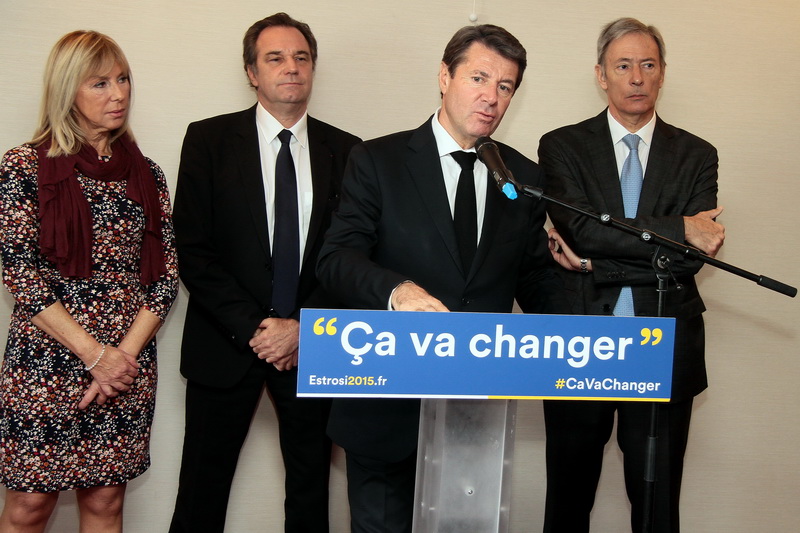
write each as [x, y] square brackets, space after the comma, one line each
[465, 216]
[286, 235]
[630, 182]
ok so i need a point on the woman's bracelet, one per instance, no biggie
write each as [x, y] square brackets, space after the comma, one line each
[102, 353]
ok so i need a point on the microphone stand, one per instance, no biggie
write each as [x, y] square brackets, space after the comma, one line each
[657, 240]
[663, 274]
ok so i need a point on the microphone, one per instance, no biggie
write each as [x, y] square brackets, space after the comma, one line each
[490, 156]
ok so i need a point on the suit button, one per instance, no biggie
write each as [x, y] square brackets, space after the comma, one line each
[465, 301]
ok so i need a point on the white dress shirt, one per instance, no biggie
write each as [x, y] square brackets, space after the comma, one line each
[452, 170]
[621, 149]
[269, 146]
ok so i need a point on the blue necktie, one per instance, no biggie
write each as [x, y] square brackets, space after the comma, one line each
[465, 213]
[631, 184]
[286, 235]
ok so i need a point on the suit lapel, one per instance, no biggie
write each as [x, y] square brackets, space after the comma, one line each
[321, 172]
[249, 158]
[604, 164]
[425, 170]
[660, 164]
[659, 169]
[495, 203]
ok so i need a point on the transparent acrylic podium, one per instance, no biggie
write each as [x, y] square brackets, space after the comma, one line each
[466, 448]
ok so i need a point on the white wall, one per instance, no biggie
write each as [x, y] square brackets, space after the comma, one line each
[733, 78]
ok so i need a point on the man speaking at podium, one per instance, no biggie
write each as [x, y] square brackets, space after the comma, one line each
[421, 226]
[628, 163]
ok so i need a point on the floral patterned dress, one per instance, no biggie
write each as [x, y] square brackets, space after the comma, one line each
[46, 443]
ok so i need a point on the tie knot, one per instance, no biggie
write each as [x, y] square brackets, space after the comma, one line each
[285, 136]
[631, 140]
[465, 159]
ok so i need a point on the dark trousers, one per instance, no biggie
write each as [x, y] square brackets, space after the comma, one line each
[381, 494]
[577, 433]
[217, 422]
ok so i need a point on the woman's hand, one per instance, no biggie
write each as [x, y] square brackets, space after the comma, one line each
[114, 371]
[112, 375]
[93, 393]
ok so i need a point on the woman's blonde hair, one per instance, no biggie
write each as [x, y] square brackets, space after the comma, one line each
[75, 57]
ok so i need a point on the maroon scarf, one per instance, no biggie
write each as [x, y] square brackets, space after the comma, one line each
[65, 234]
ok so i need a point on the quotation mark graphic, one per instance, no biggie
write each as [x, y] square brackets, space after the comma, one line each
[647, 334]
[328, 329]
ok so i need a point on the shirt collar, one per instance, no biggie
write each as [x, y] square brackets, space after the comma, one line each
[618, 131]
[271, 127]
[444, 141]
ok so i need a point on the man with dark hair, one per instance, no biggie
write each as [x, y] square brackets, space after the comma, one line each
[490, 36]
[421, 227]
[250, 41]
[256, 190]
[629, 163]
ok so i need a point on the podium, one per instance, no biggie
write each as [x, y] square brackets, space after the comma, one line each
[464, 460]
[469, 369]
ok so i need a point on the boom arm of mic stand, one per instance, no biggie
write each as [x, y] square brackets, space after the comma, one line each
[650, 237]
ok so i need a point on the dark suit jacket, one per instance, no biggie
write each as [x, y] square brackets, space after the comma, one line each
[223, 242]
[680, 180]
[394, 224]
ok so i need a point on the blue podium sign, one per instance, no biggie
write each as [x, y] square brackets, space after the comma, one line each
[394, 354]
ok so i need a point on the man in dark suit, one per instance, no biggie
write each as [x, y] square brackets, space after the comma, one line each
[586, 165]
[396, 242]
[235, 240]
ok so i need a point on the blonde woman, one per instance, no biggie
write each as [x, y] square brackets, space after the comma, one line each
[88, 254]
